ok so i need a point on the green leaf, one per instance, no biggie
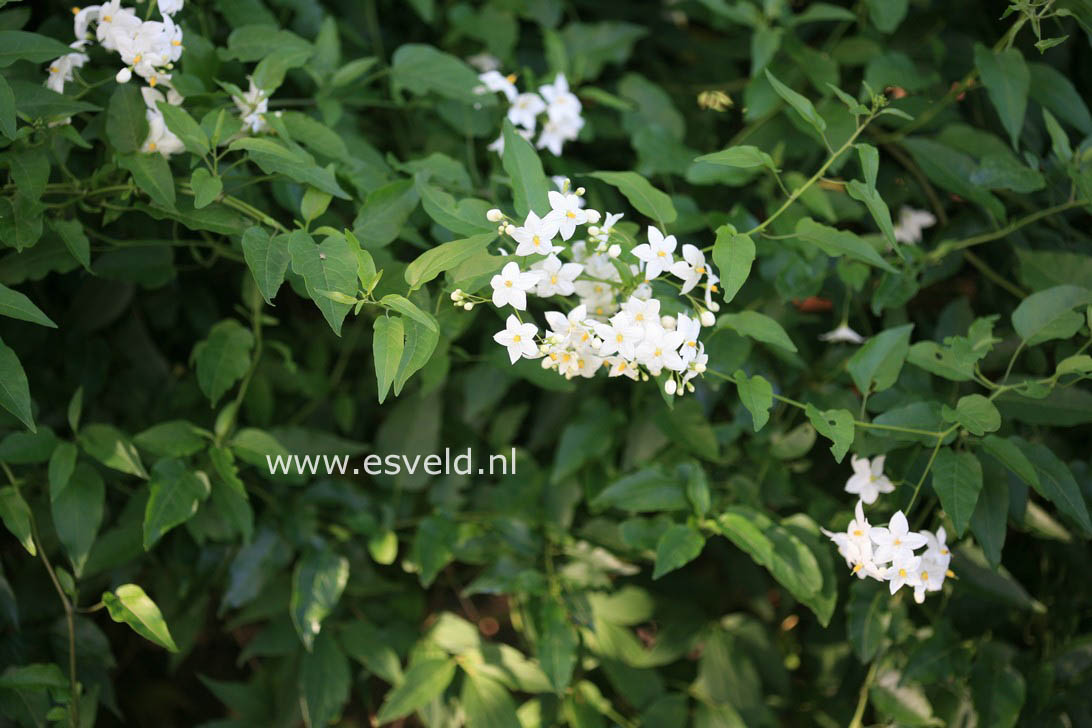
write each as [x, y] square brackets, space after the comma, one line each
[1012, 457]
[384, 213]
[18, 45]
[465, 217]
[757, 326]
[206, 188]
[951, 169]
[743, 156]
[15, 513]
[433, 547]
[7, 109]
[756, 394]
[223, 358]
[328, 267]
[800, 104]
[836, 243]
[423, 681]
[128, 604]
[229, 494]
[733, 254]
[273, 157]
[529, 183]
[14, 388]
[420, 343]
[38, 677]
[1056, 482]
[651, 489]
[15, 305]
[175, 492]
[254, 42]
[435, 261]
[39, 102]
[975, 413]
[649, 201]
[421, 68]
[1008, 81]
[1054, 91]
[325, 681]
[989, 523]
[30, 171]
[487, 702]
[267, 257]
[679, 545]
[1048, 314]
[876, 365]
[556, 645]
[998, 688]
[886, 15]
[152, 174]
[173, 438]
[404, 306]
[317, 583]
[72, 234]
[868, 616]
[77, 510]
[836, 425]
[876, 207]
[957, 480]
[126, 125]
[185, 128]
[388, 343]
[112, 448]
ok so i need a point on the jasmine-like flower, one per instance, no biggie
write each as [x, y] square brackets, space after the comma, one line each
[911, 223]
[510, 286]
[518, 338]
[868, 480]
[842, 334]
[536, 234]
[690, 269]
[656, 253]
[896, 542]
[557, 277]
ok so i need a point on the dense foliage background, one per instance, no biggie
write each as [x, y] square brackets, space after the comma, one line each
[655, 561]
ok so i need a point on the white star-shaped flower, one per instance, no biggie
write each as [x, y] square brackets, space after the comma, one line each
[510, 286]
[656, 253]
[518, 338]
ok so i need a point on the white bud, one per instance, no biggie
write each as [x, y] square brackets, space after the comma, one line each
[509, 228]
[123, 75]
[593, 215]
[456, 294]
[714, 306]
[468, 306]
[668, 322]
[614, 251]
[707, 318]
[689, 386]
[494, 215]
[699, 368]
[580, 193]
[670, 386]
[593, 230]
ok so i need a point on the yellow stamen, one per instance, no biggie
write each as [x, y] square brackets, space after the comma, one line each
[152, 81]
[661, 254]
[508, 284]
[151, 146]
[53, 69]
[857, 567]
[856, 532]
[176, 42]
[136, 59]
[75, 10]
[553, 279]
[902, 573]
[107, 18]
[925, 576]
[701, 270]
[511, 78]
[570, 214]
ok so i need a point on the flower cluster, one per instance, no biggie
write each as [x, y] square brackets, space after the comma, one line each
[148, 48]
[617, 323]
[888, 553]
[253, 104]
[562, 108]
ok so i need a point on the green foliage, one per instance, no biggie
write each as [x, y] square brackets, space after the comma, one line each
[197, 286]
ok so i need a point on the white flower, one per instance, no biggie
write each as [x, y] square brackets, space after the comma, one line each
[566, 212]
[868, 480]
[498, 144]
[855, 545]
[252, 106]
[690, 269]
[525, 109]
[642, 312]
[622, 367]
[484, 62]
[911, 223]
[656, 253]
[936, 548]
[83, 19]
[115, 23]
[535, 235]
[60, 71]
[493, 80]
[602, 234]
[930, 576]
[842, 334]
[561, 104]
[160, 138]
[904, 571]
[557, 277]
[555, 132]
[170, 7]
[896, 542]
[518, 338]
[659, 349]
[619, 337]
[689, 329]
[510, 286]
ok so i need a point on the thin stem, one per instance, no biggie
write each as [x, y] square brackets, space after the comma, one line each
[814, 178]
[928, 466]
[993, 275]
[862, 697]
[951, 246]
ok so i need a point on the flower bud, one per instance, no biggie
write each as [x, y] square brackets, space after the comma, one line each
[494, 215]
[580, 193]
[670, 386]
[123, 75]
[593, 215]
[456, 294]
[593, 230]
[707, 318]
[614, 251]
[509, 228]
[714, 306]
[668, 322]
[468, 306]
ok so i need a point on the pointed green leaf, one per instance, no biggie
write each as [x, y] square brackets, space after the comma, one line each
[128, 604]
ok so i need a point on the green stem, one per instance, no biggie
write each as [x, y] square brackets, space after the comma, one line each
[951, 246]
[862, 697]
